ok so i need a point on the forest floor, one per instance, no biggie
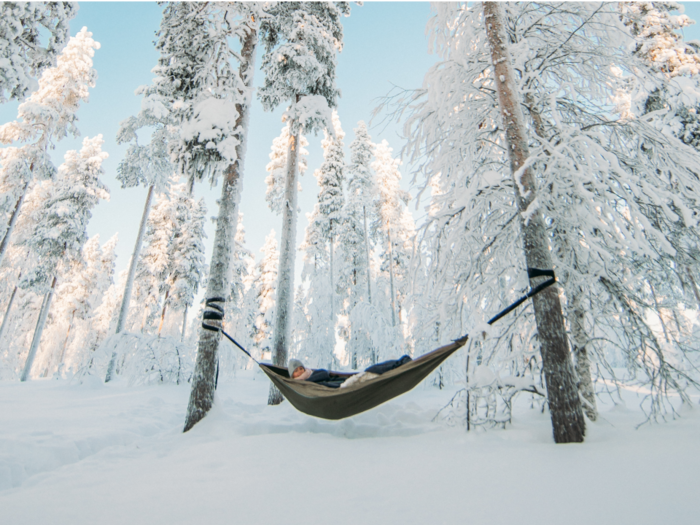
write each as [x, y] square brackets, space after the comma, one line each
[115, 454]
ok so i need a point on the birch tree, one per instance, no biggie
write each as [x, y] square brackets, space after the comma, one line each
[595, 160]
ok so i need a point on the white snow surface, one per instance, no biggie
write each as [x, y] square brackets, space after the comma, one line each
[115, 454]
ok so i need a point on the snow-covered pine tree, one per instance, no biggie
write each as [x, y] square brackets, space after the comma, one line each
[317, 328]
[301, 41]
[394, 228]
[192, 101]
[186, 268]
[266, 271]
[218, 283]
[47, 116]
[23, 57]
[277, 169]
[356, 242]
[328, 219]
[77, 298]
[153, 267]
[60, 231]
[241, 308]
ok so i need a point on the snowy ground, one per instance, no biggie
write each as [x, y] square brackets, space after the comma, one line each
[85, 454]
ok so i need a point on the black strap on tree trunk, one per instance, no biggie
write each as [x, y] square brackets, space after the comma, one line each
[214, 312]
[531, 273]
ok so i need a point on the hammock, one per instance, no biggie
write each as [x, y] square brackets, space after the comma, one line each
[338, 403]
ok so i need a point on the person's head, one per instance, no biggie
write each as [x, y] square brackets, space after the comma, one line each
[295, 368]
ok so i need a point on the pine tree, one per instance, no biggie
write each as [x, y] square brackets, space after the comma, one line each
[301, 40]
[47, 116]
[355, 236]
[22, 56]
[393, 225]
[266, 271]
[186, 270]
[276, 168]
[60, 231]
[218, 283]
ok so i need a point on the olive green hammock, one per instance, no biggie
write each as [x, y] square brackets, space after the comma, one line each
[338, 403]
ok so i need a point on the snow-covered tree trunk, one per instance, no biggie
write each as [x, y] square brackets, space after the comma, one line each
[184, 324]
[696, 292]
[391, 280]
[582, 362]
[128, 288]
[162, 312]
[564, 403]
[332, 283]
[369, 275]
[38, 331]
[219, 285]
[8, 310]
[281, 336]
[4, 244]
[65, 341]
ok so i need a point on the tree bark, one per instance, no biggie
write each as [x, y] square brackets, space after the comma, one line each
[65, 342]
[7, 313]
[562, 395]
[695, 288]
[126, 298]
[366, 232]
[332, 326]
[184, 324]
[391, 280]
[13, 220]
[219, 283]
[38, 331]
[162, 313]
[582, 362]
[282, 325]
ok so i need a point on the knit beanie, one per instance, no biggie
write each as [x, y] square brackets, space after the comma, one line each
[293, 365]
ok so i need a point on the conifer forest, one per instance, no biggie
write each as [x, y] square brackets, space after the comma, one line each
[450, 251]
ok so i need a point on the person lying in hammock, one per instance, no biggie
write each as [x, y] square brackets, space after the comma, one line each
[298, 371]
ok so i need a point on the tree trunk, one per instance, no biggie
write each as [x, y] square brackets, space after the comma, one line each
[65, 343]
[219, 283]
[366, 232]
[391, 280]
[7, 313]
[582, 363]
[184, 324]
[562, 395]
[695, 288]
[332, 326]
[282, 324]
[162, 313]
[38, 331]
[13, 220]
[126, 298]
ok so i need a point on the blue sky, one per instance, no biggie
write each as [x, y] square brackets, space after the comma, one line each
[385, 45]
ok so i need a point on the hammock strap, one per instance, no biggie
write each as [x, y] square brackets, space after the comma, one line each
[531, 273]
[214, 312]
